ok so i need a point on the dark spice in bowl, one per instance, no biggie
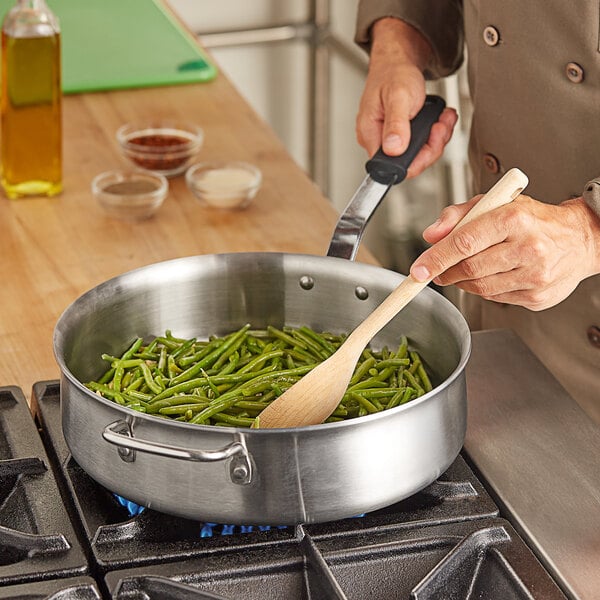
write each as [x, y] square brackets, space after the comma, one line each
[164, 148]
[131, 187]
[130, 195]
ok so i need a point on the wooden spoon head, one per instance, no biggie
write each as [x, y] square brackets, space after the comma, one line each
[312, 399]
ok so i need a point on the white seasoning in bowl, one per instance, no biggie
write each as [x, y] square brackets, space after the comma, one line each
[227, 185]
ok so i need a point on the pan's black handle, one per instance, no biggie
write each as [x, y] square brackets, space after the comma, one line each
[392, 169]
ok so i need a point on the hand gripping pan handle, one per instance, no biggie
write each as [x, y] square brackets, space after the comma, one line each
[383, 172]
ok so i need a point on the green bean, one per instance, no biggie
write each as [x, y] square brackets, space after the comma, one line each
[182, 408]
[362, 369]
[138, 395]
[251, 405]
[172, 367]
[375, 402]
[145, 355]
[154, 407]
[135, 384]
[108, 376]
[132, 349]
[170, 344]
[319, 339]
[204, 351]
[231, 420]
[106, 391]
[285, 337]
[229, 352]
[231, 366]
[119, 372]
[312, 346]
[364, 403]
[259, 360]
[367, 383]
[418, 369]
[411, 379]
[183, 349]
[402, 348]
[149, 380]
[151, 347]
[392, 362]
[401, 397]
[211, 385]
[210, 358]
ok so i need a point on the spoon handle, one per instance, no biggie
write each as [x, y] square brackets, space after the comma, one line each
[503, 192]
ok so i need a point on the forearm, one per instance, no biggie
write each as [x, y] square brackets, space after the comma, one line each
[395, 40]
[440, 22]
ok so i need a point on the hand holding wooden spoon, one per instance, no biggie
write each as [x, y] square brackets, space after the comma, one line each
[312, 399]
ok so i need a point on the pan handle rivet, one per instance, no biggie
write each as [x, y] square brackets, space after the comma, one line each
[361, 292]
[307, 282]
[239, 473]
[240, 470]
[127, 454]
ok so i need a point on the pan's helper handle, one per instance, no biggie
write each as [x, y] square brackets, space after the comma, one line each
[120, 434]
[383, 172]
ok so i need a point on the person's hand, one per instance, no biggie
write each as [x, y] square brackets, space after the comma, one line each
[395, 92]
[527, 252]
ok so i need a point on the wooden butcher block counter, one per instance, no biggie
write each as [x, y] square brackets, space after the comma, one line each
[54, 249]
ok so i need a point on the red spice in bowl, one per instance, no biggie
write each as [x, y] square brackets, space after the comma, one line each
[165, 148]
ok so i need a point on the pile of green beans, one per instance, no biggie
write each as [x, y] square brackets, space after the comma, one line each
[228, 381]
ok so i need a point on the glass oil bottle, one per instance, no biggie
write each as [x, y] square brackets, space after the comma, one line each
[30, 109]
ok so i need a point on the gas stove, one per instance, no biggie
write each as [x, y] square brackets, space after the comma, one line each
[62, 535]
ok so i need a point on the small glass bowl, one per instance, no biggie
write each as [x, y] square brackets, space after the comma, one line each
[227, 185]
[164, 147]
[130, 195]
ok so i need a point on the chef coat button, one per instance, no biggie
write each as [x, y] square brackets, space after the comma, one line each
[593, 334]
[574, 72]
[491, 36]
[492, 164]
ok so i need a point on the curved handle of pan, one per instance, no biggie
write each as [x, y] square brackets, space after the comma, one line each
[383, 172]
[120, 434]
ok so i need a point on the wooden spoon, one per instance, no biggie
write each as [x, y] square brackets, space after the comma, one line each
[312, 399]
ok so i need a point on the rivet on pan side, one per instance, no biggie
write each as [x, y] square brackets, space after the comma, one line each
[307, 282]
[361, 292]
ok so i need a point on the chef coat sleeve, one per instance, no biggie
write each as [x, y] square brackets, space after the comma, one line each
[440, 21]
[591, 195]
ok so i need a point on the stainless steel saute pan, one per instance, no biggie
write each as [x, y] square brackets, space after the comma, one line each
[278, 476]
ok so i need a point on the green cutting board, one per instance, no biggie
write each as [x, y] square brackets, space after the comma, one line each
[117, 44]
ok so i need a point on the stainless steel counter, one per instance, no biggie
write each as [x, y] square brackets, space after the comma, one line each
[540, 456]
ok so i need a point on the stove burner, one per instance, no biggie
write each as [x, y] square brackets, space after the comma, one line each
[208, 529]
[447, 541]
[133, 509]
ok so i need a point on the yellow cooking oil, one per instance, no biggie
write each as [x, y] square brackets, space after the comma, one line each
[31, 127]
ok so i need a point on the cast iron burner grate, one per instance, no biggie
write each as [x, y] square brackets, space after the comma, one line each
[70, 588]
[482, 559]
[37, 540]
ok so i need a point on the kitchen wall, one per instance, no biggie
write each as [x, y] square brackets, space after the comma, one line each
[276, 79]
